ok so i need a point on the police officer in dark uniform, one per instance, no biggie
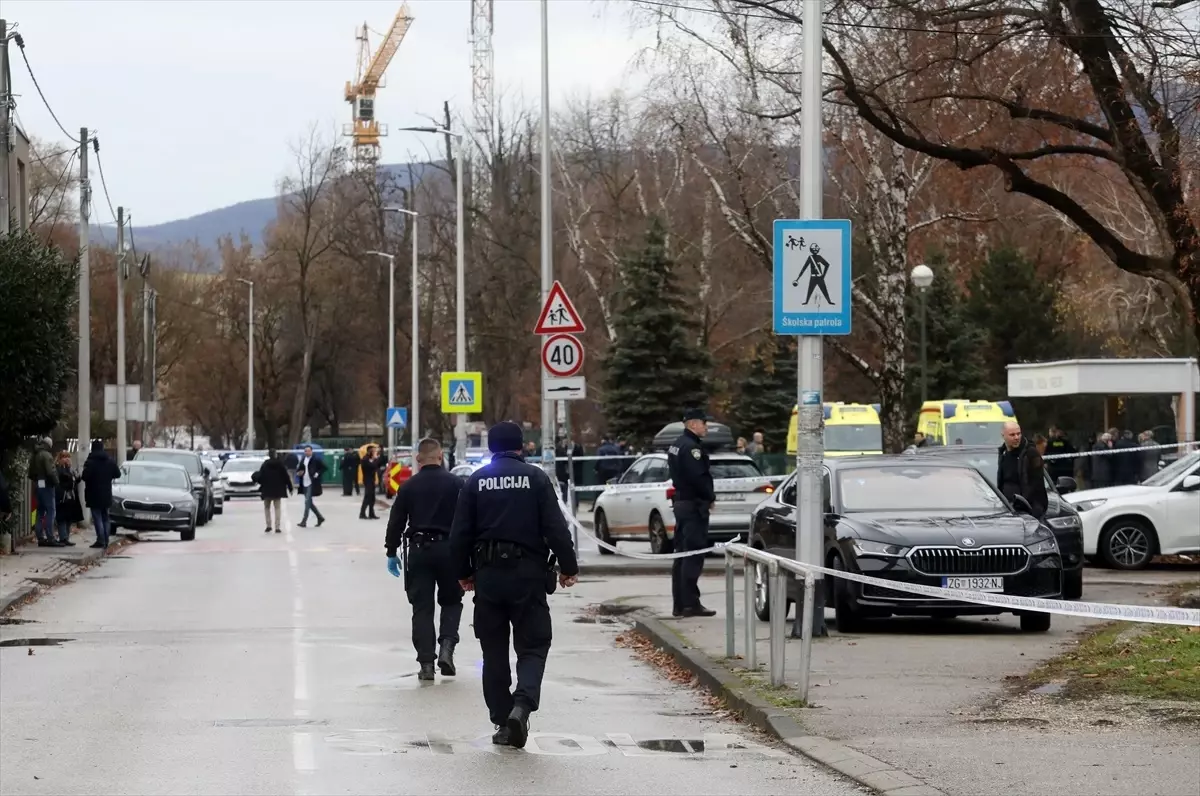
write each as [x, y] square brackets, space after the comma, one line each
[370, 472]
[694, 498]
[421, 518]
[507, 526]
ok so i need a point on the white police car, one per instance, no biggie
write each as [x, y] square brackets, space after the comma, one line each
[638, 505]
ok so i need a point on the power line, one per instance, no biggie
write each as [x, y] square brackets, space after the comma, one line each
[103, 183]
[21, 46]
[74, 151]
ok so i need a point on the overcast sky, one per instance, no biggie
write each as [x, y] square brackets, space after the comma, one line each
[196, 101]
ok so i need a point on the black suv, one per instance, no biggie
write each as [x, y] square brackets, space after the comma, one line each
[1061, 517]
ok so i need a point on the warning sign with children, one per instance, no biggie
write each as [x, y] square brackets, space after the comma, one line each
[812, 277]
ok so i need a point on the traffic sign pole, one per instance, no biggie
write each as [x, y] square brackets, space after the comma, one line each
[558, 320]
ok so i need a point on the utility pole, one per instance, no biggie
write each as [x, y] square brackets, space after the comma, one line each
[6, 129]
[547, 233]
[122, 437]
[84, 377]
[153, 349]
[147, 371]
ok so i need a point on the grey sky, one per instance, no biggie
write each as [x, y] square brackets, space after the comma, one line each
[196, 102]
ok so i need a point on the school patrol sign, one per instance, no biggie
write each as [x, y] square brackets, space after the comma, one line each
[462, 393]
[812, 277]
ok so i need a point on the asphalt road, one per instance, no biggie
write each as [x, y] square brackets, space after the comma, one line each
[251, 663]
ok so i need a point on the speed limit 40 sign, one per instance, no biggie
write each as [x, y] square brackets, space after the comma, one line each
[562, 355]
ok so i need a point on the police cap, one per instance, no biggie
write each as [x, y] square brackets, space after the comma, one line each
[505, 437]
[695, 414]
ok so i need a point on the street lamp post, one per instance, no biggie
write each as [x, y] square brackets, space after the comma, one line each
[250, 368]
[460, 319]
[391, 432]
[414, 411]
[922, 277]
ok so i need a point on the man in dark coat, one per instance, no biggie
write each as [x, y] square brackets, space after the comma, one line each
[609, 468]
[1021, 471]
[349, 468]
[274, 485]
[1128, 465]
[370, 471]
[99, 471]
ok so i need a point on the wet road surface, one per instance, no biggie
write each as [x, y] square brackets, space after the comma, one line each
[251, 663]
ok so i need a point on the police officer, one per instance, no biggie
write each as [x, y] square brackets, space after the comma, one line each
[507, 524]
[694, 498]
[421, 517]
[370, 470]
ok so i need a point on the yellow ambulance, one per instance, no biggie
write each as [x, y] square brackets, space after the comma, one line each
[850, 430]
[955, 421]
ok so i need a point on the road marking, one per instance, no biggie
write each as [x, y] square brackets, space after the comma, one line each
[303, 755]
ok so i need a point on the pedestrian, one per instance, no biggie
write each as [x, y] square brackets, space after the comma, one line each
[609, 466]
[273, 486]
[1149, 456]
[420, 522]
[68, 510]
[292, 462]
[1059, 445]
[370, 471]
[567, 445]
[349, 469]
[508, 530]
[44, 477]
[1020, 471]
[311, 470]
[692, 504]
[133, 450]
[755, 446]
[99, 471]
[1128, 464]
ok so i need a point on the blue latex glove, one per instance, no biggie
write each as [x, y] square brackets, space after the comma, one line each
[394, 566]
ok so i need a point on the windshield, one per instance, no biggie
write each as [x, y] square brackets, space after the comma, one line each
[1172, 471]
[987, 464]
[242, 465]
[733, 468]
[189, 461]
[974, 433]
[917, 487]
[168, 477]
[868, 437]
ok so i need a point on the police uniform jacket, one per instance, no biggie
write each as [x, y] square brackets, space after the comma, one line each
[425, 503]
[508, 500]
[690, 475]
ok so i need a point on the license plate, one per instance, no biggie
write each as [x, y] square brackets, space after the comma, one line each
[995, 584]
[730, 497]
[145, 516]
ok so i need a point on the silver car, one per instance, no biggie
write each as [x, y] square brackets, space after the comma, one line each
[155, 496]
[237, 476]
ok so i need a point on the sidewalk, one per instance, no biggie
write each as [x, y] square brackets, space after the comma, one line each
[913, 706]
[32, 568]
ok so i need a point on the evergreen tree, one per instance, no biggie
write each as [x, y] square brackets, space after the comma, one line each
[654, 369]
[767, 392]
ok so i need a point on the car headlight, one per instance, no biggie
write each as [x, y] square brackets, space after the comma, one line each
[184, 505]
[1065, 523]
[1043, 546]
[1088, 505]
[864, 547]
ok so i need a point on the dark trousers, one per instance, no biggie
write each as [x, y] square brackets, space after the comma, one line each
[691, 533]
[429, 570]
[512, 597]
[368, 505]
[348, 483]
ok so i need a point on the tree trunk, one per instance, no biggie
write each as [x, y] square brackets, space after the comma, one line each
[300, 402]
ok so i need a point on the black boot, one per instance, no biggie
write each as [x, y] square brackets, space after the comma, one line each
[518, 727]
[500, 737]
[445, 659]
[426, 672]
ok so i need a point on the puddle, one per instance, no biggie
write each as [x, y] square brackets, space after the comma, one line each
[12, 620]
[33, 642]
[1049, 689]
[617, 609]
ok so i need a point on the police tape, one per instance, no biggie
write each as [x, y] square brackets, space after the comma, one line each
[574, 522]
[1155, 614]
[1115, 451]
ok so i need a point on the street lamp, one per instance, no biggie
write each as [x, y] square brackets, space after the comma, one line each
[250, 368]
[414, 411]
[391, 432]
[460, 319]
[922, 277]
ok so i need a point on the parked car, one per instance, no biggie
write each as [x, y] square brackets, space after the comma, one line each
[638, 505]
[155, 496]
[1125, 527]
[923, 520]
[1061, 516]
[213, 463]
[237, 476]
[198, 471]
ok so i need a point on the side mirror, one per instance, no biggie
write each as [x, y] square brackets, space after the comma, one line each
[1066, 485]
[1021, 504]
[1190, 483]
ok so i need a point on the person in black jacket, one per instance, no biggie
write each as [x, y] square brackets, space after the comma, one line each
[694, 497]
[349, 468]
[99, 471]
[273, 485]
[421, 518]
[1021, 471]
[311, 470]
[1059, 445]
[370, 472]
[609, 467]
[1128, 465]
[68, 511]
[507, 523]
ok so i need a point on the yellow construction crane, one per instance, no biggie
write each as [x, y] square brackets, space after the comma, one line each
[365, 130]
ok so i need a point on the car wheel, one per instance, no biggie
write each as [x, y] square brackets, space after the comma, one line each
[601, 524]
[660, 543]
[1035, 622]
[188, 534]
[220, 508]
[202, 515]
[1128, 543]
[762, 590]
[1073, 584]
[847, 616]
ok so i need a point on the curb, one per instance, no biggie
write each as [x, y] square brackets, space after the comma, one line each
[85, 558]
[880, 777]
[12, 598]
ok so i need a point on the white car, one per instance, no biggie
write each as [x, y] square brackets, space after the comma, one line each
[1126, 526]
[637, 506]
[236, 476]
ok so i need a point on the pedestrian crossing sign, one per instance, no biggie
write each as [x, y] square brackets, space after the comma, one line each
[462, 393]
[397, 417]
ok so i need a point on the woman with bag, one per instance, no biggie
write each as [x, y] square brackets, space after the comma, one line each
[68, 510]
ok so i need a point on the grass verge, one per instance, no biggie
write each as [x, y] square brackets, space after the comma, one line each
[1148, 661]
